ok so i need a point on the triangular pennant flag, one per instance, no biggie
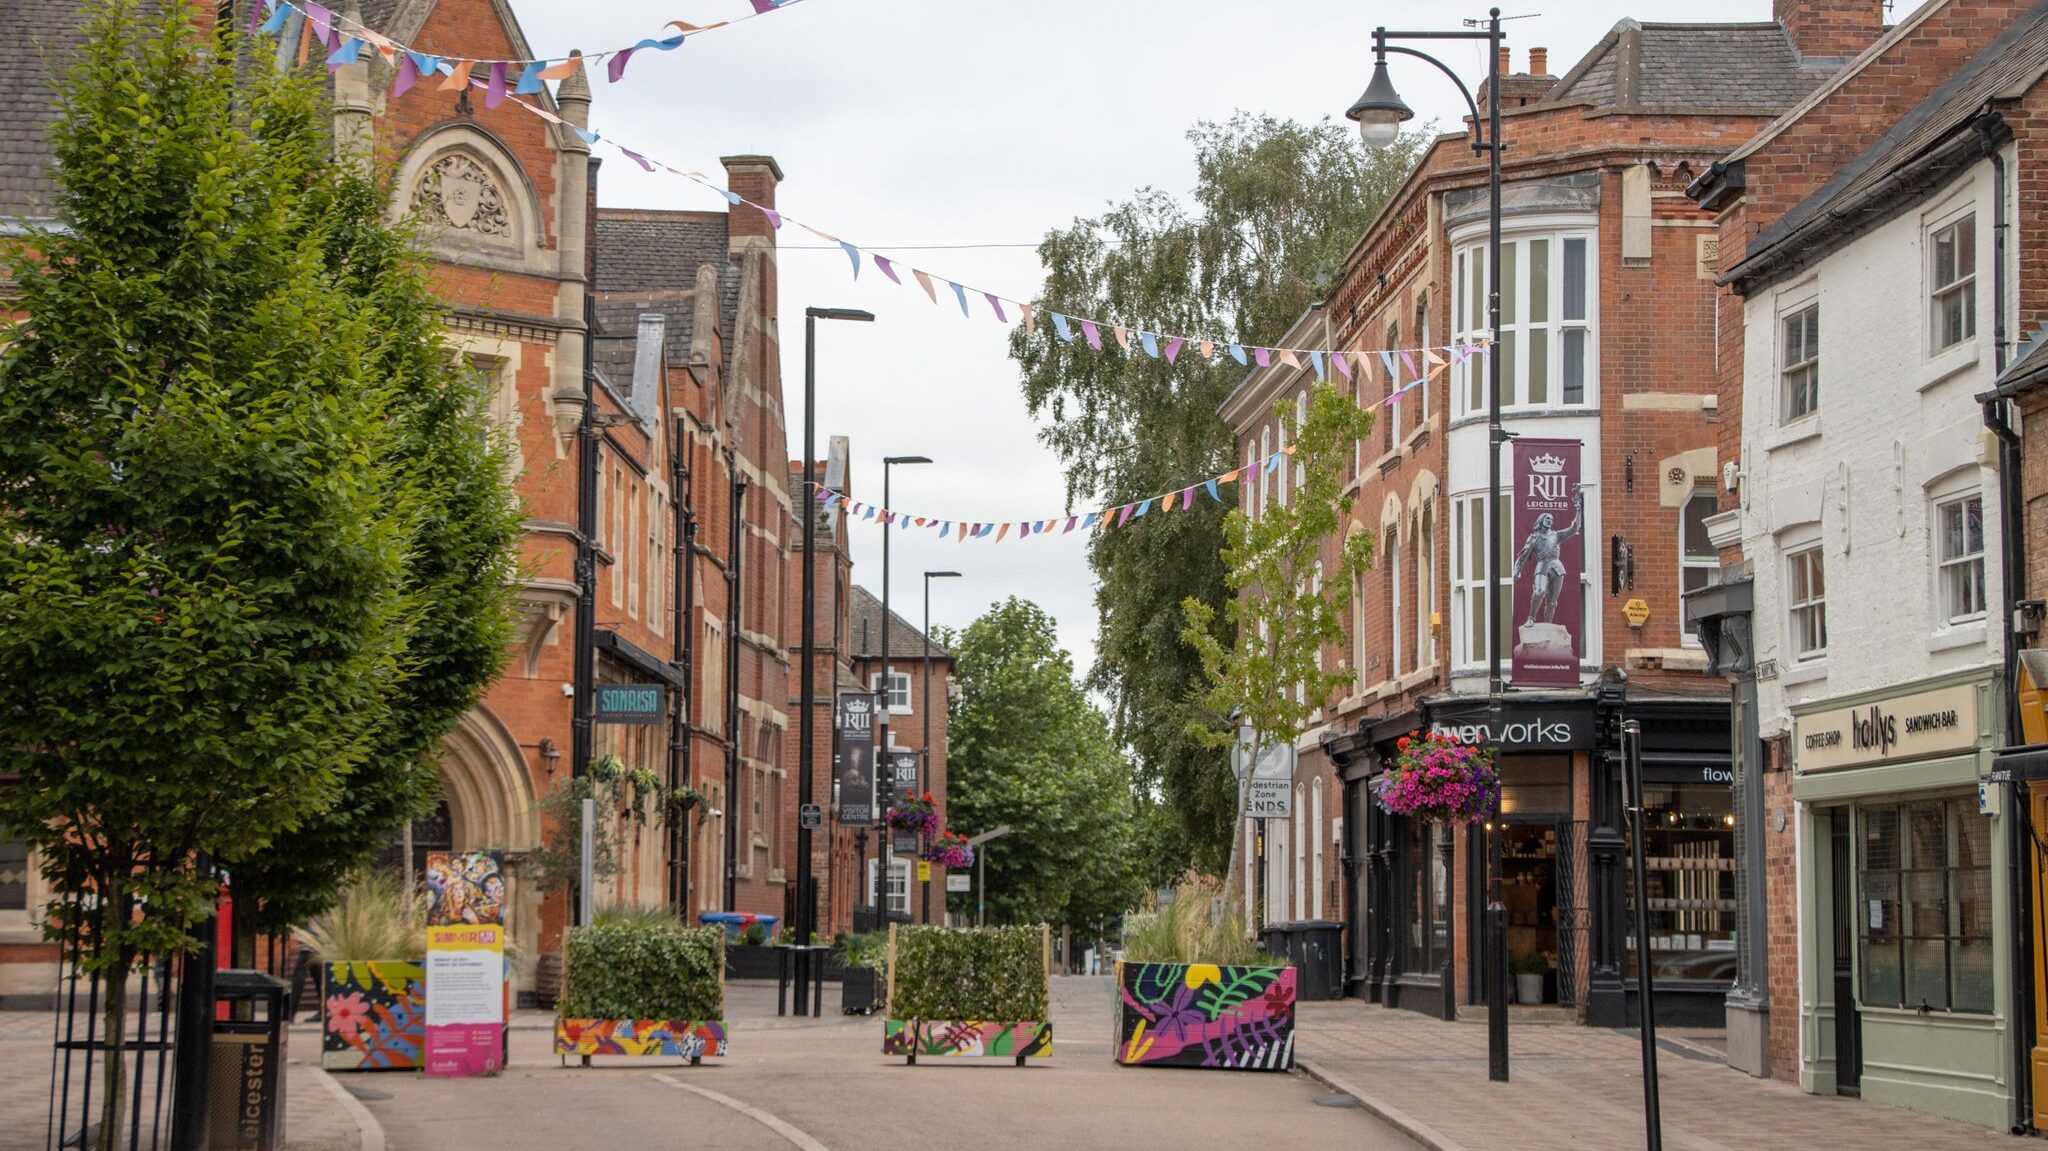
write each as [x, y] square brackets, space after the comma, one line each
[853, 255]
[1263, 357]
[305, 41]
[529, 80]
[255, 16]
[1059, 325]
[997, 305]
[1430, 355]
[1208, 349]
[1273, 463]
[494, 94]
[1288, 357]
[1071, 521]
[1090, 520]
[1143, 507]
[459, 78]
[1093, 333]
[1123, 336]
[1343, 364]
[1030, 319]
[1211, 485]
[1151, 343]
[1173, 344]
[1123, 514]
[774, 218]
[763, 7]
[1408, 361]
[960, 294]
[1237, 353]
[1387, 358]
[408, 75]
[1231, 476]
[945, 527]
[731, 197]
[1024, 530]
[637, 158]
[616, 66]
[587, 136]
[565, 69]
[319, 19]
[887, 268]
[278, 15]
[1315, 358]
[888, 517]
[1187, 497]
[345, 55]
[925, 282]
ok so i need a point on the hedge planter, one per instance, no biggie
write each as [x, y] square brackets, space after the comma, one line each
[374, 1015]
[975, 992]
[911, 1038]
[1203, 1015]
[675, 1039]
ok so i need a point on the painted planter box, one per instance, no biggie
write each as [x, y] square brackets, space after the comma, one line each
[1203, 1015]
[374, 1015]
[947, 1038]
[691, 1039]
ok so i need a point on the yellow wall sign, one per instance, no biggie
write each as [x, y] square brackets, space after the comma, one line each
[1637, 611]
[924, 871]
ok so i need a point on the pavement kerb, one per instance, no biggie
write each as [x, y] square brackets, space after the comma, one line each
[369, 1132]
[1400, 1120]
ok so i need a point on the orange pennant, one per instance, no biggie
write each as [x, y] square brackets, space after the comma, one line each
[1208, 349]
[925, 282]
[1001, 531]
[1030, 319]
[1288, 357]
[565, 69]
[1123, 336]
[1431, 356]
[459, 78]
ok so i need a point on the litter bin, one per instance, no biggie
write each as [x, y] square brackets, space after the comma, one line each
[736, 922]
[1316, 948]
[245, 1084]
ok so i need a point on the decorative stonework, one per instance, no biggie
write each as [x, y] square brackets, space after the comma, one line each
[456, 192]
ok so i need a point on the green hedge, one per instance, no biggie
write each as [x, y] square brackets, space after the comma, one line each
[987, 974]
[644, 970]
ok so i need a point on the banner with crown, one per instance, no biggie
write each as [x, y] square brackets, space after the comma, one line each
[1550, 562]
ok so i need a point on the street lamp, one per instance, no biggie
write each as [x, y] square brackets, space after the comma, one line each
[806, 897]
[1380, 112]
[924, 776]
[882, 712]
[981, 871]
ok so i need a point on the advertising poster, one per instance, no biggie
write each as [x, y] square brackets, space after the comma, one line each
[902, 788]
[1547, 534]
[465, 1000]
[465, 887]
[855, 767]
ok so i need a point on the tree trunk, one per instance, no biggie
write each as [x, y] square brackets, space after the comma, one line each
[1233, 889]
[114, 919]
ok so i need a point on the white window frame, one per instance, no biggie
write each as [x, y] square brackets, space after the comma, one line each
[1796, 624]
[1962, 286]
[19, 924]
[1300, 422]
[1393, 546]
[1265, 453]
[1469, 319]
[1316, 821]
[1687, 562]
[1468, 579]
[1360, 649]
[1391, 412]
[1952, 571]
[1806, 367]
[1422, 542]
[1299, 834]
[897, 897]
[1419, 338]
[896, 675]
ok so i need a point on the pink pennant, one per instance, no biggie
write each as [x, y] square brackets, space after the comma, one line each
[1030, 319]
[1343, 363]
[925, 282]
[886, 267]
[408, 75]
[1123, 514]
[1187, 497]
[637, 158]
[1263, 357]
[1408, 361]
[1093, 333]
[1208, 349]
[997, 305]
[1123, 336]
[1173, 344]
[1288, 357]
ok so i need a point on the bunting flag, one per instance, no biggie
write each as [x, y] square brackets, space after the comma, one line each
[338, 32]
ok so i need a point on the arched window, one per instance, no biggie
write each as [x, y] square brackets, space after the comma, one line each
[1425, 584]
[1391, 413]
[1420, 396]
[1391, 548]
[1300, 422]
[1265, 453]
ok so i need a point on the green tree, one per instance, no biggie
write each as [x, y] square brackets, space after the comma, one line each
[1278, 205]
[1028, 749]
[1285, 605]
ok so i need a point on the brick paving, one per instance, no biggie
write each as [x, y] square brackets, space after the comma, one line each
[1582, 1088]
[315, 1120]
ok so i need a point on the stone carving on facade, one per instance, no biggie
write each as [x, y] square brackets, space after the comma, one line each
[456, 192]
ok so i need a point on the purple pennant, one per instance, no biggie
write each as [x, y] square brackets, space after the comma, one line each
[1093, 333]
[824, 494]
[1263, 357]
[1343, 363]
[255, 16]
[1071, 521]
[637, 158]
[494, 94]
[321, 19]
[997, 305]
[1024, 529]
[1408, 362]
[763, 7]
[1187, 497]
[888, 269]
[1123, 514]
[774, 217]
[1173, 344]
[616, 66]
[408, 75]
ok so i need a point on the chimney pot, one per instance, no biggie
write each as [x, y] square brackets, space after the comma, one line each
[1506, 63]
[1539, 61]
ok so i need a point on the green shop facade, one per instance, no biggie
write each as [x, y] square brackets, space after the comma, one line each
[1905, 979]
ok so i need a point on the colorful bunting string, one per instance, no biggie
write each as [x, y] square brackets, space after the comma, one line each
[344, 45]
[413, 66]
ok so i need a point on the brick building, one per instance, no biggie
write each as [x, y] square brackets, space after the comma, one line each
[1862, 546]
[686, 383]
[1607, 339]
[915, 728]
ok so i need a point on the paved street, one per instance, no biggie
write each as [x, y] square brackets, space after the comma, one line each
[817, 1084]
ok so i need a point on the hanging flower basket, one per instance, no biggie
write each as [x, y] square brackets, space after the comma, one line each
[917, 814]
[1438, 778]
[950, 850]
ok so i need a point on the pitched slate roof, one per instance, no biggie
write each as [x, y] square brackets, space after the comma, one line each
[2028, 370]
[646, 262]
[2004, 69]
[40, 38]
[905, 642]
[1692, 68]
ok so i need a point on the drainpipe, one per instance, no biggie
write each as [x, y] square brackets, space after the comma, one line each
[679, 731]
[734, 626]
[2012, 577]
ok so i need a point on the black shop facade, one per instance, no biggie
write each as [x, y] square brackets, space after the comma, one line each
[1417, 892]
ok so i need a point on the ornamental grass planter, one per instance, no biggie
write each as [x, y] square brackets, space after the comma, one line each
[953, 1038]
[1205, 1015]
[373, 1015]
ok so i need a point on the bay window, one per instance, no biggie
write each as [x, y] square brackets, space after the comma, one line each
[1469, 606]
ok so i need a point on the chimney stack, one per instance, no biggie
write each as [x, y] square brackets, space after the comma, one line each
[1539, 61]
[1830, 28]
[1506, 62]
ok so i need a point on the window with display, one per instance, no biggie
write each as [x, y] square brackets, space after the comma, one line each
[1426, 896]
[1923, 881]
[1689, 881]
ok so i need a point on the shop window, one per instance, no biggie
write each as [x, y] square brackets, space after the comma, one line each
[1689, 849]
[1924, 920]
[1427, 895]
[1960, 556]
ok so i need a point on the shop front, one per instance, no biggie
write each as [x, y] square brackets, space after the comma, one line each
[1417, 915]
[1905, 979]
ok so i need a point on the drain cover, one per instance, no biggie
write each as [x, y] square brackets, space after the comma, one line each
[1336, 1101]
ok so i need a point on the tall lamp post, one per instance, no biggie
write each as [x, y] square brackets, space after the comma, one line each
[806, 897]
[924, 775]
[1380, 112]
[882, 712]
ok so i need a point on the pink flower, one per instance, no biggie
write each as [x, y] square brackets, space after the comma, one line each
[346, 1014]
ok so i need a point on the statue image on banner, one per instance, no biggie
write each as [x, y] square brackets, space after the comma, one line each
[1547, 567]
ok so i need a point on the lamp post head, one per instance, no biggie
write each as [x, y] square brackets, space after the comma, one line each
[942, 575]
[887, 460]
[1380, 112]
[839, 314]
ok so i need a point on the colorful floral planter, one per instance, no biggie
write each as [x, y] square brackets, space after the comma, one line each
[1204, 1015]
[373, 1015]
[691, 1039]
[946, 1038]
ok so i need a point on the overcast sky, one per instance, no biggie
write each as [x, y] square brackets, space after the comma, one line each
[901, 124]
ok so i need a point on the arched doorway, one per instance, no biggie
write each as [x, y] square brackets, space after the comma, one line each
[488, 795]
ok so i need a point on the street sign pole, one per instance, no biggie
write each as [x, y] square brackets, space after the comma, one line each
[979, 844]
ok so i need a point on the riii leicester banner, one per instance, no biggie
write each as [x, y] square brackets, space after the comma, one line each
[856, 763]
[1549, 564]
